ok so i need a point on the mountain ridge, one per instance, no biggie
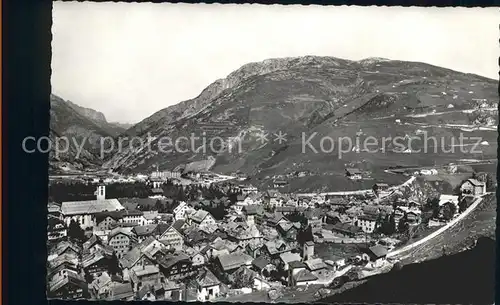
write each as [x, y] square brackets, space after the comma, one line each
[298, 94]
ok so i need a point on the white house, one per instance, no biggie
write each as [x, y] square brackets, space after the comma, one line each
[367, 223]
[180, 211]
[208, 286]
[259, 283]
[473, 187]
[202, 218]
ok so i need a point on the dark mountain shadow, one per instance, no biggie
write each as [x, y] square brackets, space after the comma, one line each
[464, 278]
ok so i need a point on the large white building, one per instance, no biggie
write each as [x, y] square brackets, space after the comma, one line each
[83, 212]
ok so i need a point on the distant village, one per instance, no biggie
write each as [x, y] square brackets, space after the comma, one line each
[221, 236]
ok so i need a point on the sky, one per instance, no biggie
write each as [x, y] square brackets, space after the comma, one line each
[129, 60]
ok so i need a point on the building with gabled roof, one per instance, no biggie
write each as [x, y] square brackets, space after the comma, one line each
[473, 187]
[83, 211]
[201, 218]
[229, 263]
[173, 237]
[121, 240]
[303, 278]
[68, 285]
[141, 276]
[120, 292]
[208, 286]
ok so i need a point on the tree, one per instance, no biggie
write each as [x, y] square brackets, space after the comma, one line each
[114, 266]
[387, 224]
[75, 232]
[433, 204]
[489, 181]
[449, 211]
[403, 225]
[462, 205]
[88, 277]
[159, 206]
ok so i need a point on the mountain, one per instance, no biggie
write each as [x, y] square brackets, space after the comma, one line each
[113, 129]
[84, 128]
[324, 98]
[454, 279]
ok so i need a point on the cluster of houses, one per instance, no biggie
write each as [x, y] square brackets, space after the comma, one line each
[190, 255]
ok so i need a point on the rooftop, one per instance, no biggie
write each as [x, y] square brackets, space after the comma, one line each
[70, 208]
[304, 276]
[234, 260]
[207, 279]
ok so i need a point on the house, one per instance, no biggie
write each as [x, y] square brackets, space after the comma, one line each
[54, 209]
[261, 264]
[473, 187]
[336, 262]
[207, 286]
[286, 258]
[172, 237]
[253, 248]
[143, 232]
[250, 211]
[346, 230]
[62, 262]
[316, 223]
[145, 275]
[64, 247]
[216, 248]
[120, 292]
[449, 199]
[271, 250]
[95, 264]
[229, 263]
[413, 215]
[260, 283]
[380, 187]
[377, 255]
[279, 183]
[202, 218]
[367, 223]
[249, 189]
[277, 218]
[135, 217]
[288, 230]
[101, 286]
[180, 211]
[152, 217]
[146, 293]
[317, 267]
[176, 266]
[197, 259]
[56, 228]
[304, 277]
[121, 240]
[142, 254]
[104, 221]
[169, 291]
[68, 285]
[353, 173]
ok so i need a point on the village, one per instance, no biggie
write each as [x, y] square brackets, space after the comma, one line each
[238, 241]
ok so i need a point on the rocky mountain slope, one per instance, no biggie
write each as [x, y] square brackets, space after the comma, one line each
[83, 128]
[98, 118]
[320, 96]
